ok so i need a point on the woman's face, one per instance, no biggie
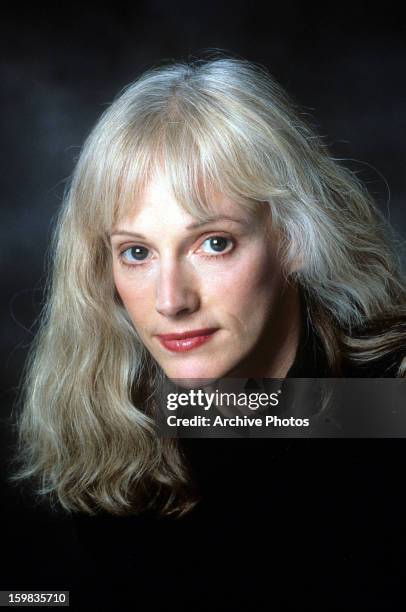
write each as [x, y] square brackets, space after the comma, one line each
[208, 300]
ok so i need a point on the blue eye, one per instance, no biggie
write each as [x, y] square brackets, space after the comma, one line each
[135, 253]
[216, 244]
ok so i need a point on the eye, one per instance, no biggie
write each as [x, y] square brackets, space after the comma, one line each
[217, 244]
[135, 254]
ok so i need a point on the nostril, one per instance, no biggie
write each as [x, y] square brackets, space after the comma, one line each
[176, 292]
[171, 309]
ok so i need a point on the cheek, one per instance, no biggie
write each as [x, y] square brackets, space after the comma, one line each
[136, 300]
[249, 288]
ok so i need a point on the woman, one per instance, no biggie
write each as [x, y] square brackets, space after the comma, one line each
[206, 233]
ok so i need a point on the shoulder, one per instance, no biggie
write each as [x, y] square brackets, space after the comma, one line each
[378, 354]
[386, 367]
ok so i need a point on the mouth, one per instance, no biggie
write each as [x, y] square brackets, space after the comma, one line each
[186, 341]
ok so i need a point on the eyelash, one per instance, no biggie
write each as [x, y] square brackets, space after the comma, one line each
[205, 256]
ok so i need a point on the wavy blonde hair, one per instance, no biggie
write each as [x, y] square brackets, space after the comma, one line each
[87, 432]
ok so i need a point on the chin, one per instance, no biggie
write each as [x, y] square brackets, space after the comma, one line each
[194, 375]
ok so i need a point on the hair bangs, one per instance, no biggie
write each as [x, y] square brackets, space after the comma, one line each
[207, 151]
[196, 165]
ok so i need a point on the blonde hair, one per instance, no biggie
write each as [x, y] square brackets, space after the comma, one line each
[87, 430]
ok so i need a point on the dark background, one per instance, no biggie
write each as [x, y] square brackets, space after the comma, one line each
[59, 69]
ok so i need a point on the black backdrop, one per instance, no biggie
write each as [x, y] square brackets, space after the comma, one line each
[60, 67]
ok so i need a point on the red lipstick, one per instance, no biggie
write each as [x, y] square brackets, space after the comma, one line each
[186, 341]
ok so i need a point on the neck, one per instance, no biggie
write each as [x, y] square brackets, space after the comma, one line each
[286, 336]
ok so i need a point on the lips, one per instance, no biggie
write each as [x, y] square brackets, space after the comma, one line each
[186, 341]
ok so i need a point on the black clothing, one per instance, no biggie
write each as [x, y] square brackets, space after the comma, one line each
[283, 524]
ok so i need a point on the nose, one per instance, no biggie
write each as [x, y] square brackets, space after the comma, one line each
[176, 291]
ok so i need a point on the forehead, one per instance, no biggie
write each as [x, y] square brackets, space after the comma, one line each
[157, 205]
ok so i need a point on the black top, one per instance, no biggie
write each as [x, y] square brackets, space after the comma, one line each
[283, 524]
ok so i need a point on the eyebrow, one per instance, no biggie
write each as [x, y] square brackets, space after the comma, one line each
[192, 226]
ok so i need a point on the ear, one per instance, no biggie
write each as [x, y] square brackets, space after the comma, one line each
[295, 265]
[276, 237]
